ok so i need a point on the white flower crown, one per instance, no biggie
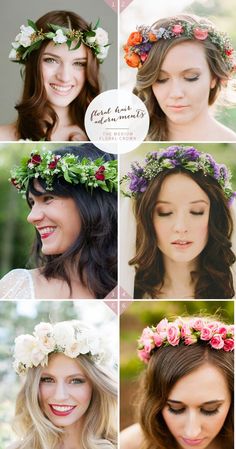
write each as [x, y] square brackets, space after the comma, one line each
[71, 338]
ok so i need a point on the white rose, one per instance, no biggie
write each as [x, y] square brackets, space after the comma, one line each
[90, 39]
[63, 334]
[24, 346]
[26, 31]
[15, 45]
[103, 51]
[44, 333]
[59, 38]
[38, 356]
[73, 350]
[13, 54]
[25, 37]
[101, 36]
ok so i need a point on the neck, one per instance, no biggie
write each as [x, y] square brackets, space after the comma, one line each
[64, 118]
[72, 437]
[178, 282]
[201, 128]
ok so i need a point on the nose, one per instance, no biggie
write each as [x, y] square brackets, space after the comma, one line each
[63, 72]
[180, 225]
[176, 89]
[36, 214]
[60, 392]
[193, 426]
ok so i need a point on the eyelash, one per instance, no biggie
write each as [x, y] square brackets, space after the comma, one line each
[204, 412]
[77, 63]
[73, 381]
[167, 214]
[162, 81]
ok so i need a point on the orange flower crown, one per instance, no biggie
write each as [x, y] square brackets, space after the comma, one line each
[141, 41]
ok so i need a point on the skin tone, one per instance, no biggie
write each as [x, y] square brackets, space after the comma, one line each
[64, 395]
[49, 215]
[180, 220]
[63, 73]
[194, 416]
[182, 91]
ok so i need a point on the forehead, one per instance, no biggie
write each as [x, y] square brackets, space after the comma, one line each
[185, 55]
[63, 365]
[62, 50]
[180, 187]
[206, 383]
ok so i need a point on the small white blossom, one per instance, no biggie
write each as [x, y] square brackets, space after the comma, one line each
[59, 37]
[13, 54]
[25, 36]
[101, 36]
[63, 334]
[103, 51]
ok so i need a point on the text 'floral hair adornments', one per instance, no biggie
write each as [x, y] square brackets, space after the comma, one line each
[71, 338]
[141, 41]
[30, 39]
[189, 158]
[48, 166]
[186, 332]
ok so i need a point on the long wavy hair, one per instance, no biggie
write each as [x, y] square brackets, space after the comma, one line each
[94, 253]
[150, 70]
[213, 277]
[36, 117]
[99, 427]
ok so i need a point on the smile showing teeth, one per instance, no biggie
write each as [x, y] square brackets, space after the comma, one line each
[63, 89]
[62, 408]
[47, 230]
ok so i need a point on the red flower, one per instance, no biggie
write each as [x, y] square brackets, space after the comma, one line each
[200, 34]
[15, 183]
[177, 29]
[143, 57]
[53, 164]
[229, 51]
[35, 159]
[99, 173]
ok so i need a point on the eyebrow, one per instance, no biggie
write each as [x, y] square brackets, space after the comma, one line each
[215, 401]
[71, 375]
[54, 55]
[183, 71]
[191, 202]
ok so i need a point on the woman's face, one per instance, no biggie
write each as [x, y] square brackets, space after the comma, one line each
[56, 219]
[63, 72]
[183, 86]
[197, 407]
[180, 218]
[65, 391]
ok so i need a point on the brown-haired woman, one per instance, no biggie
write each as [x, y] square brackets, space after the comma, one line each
[183, 62]
[184, 226]
[59, 82]
[186, 393]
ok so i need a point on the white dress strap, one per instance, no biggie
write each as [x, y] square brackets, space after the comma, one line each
[17, 284]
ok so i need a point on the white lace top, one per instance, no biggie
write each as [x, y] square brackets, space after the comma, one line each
[17, 284]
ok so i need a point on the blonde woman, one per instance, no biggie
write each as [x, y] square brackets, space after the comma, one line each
[69, 396]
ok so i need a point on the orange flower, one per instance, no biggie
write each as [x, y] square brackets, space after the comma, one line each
[133, 60]
[126, 48]
[152, 37]
[135, 38]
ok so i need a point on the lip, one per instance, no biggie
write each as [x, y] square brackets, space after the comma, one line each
[46, 231]
[62, 412]
[61, 89]
[181, 243]
[177, 107]
[192, 443]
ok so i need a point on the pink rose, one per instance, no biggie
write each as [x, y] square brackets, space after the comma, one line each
[143, 57]
[173, 334]
[229, 344]
[144, 356]
[223, 331]
[206, 333]
[200, 34]
[177, 29]
[197, 323]
[217, 342]
[157, 339]
[190, 339]
[148, 344]
[185, 330]
[162, 326]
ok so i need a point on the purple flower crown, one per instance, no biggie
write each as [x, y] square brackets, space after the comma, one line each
[141, 41]
[190, 331]
[188, 158]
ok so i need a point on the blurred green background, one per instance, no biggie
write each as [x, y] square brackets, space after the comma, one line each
[140, 314]
[20, 317]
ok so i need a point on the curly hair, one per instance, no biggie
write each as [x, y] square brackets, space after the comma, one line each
[213, 277]
[149, 72]
[36, 117]
[94, 253]
[166, 366]
[99, 429]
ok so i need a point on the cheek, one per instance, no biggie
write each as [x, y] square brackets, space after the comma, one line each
[173, 422]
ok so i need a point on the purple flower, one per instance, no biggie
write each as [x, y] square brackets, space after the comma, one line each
[223, 171]
[170, 151]
[191, 153]
[144, 48]
[137, 184]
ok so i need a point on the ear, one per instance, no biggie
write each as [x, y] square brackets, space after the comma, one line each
[213, 83]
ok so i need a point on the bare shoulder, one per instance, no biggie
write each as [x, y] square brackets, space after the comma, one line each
[13, 446]
[224, 134]
[131, 437]
[8, 132]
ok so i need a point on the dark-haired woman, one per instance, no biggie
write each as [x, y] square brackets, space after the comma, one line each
[186, 393]
[72, 196]
[61, 77]
[184, 224]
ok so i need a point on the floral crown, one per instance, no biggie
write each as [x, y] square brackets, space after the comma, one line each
[71, 338]
[48, 166]
[172, 157]
[141, 41]
[186, 332]
[30, 39]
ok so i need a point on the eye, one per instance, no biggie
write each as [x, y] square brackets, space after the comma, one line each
[48, 198]
[163, 214]
[192, 78]
[46, 379]
[49, 60]
[162, 80]
[77, 380]
[176, 411]
[193, 212]
[80, 64]
[209, 412]
[31, 202]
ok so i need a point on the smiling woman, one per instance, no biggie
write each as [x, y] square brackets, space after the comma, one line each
[73, 206]
[69, 396]
[61, 54]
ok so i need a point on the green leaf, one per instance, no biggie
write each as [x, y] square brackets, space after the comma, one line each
[50, 35]
[77, 45]
[58, 27]
[97, 24]
[32, 24]
[90, 34]
[66, 176]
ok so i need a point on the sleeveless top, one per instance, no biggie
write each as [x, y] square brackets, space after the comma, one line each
[17, 284]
